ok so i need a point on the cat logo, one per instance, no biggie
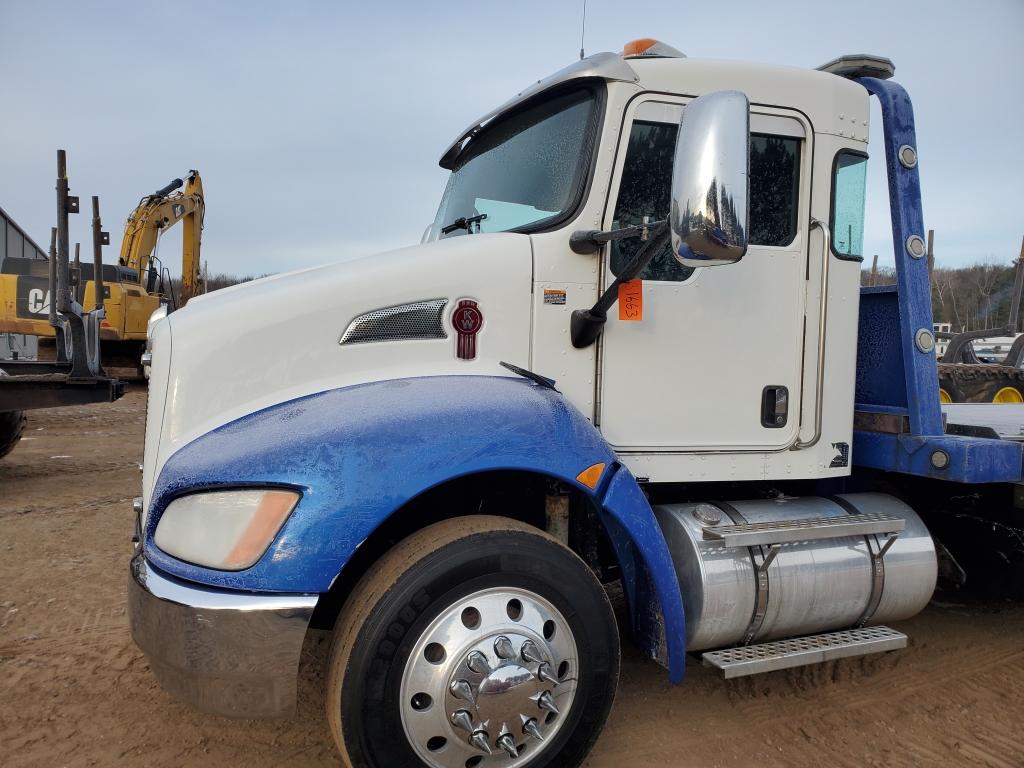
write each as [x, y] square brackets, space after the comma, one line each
[32, 296]
[38, 301]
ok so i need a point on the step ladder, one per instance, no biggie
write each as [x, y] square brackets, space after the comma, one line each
[810, 649]
[800, 651]
[792, 531]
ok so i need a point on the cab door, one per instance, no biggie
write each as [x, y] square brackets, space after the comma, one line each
[707, 359]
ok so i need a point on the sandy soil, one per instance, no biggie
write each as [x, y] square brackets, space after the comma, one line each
[74, 690]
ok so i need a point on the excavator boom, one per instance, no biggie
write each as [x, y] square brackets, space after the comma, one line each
[157, 213]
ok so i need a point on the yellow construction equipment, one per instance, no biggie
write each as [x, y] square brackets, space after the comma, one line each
[154, 215]
[132, 289]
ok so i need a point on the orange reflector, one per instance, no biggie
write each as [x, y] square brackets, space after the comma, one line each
[591, 475]
[637, 47]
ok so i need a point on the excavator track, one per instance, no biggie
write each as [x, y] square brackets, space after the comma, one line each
[981, 383]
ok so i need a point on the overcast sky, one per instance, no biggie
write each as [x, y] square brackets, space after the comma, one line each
[317, 126]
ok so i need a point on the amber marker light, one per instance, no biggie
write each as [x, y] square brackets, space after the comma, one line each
[648, 47]
[270, 515]
[591, 476]
[638, 47]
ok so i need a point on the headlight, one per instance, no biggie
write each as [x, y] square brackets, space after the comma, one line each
[226, 530]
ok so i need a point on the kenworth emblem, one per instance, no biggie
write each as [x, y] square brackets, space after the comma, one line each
[467, 320]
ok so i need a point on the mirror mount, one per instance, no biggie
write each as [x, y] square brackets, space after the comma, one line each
[588, 241]
[586, 325]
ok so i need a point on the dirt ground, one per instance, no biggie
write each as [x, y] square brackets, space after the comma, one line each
[74, 690]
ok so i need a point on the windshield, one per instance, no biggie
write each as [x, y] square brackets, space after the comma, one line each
[521, 171]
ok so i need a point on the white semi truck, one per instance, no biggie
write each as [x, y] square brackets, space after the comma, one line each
[633, 349]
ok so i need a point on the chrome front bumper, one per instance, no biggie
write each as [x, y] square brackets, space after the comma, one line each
[229, 653]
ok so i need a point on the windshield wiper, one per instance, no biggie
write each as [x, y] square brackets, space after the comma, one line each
[465, 223]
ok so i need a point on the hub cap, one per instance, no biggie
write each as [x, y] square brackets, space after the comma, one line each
[490, 681]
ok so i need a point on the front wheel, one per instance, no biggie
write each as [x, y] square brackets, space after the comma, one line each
[477, 641]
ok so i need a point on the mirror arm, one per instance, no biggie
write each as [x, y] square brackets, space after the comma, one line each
[586, 325]
[587, 241]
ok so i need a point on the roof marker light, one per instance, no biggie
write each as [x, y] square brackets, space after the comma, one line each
[860, 65]
[648, 47]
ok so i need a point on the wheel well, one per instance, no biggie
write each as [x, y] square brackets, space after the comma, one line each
[519, 495]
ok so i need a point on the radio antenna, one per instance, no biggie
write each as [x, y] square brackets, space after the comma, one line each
[583, 31]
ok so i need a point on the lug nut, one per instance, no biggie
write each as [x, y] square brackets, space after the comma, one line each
[479, 740]
[503, 647]
[478, 663]
[547, 702]
[530, 652]
[545, 674]
[463, 720]
[507, 743]
[530, 728]
[461, 689]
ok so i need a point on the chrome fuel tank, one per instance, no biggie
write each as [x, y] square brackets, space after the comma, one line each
[808, 586]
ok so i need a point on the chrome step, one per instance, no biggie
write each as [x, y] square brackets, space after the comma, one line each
[789, 531]
[800, 651]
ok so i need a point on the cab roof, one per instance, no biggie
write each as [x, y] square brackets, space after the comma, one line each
[833, 103]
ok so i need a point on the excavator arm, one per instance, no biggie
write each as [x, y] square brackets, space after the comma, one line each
[157, 213]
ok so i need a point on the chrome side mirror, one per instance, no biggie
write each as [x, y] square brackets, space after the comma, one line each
[711, 181]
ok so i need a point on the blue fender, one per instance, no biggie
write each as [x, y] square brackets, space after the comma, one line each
[649, 576]
[358, 454]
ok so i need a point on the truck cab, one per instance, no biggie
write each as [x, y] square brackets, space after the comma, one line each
[446, 451]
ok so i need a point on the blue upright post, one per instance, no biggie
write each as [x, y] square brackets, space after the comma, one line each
[913, 285]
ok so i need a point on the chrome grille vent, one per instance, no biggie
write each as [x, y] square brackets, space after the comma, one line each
[416, 320]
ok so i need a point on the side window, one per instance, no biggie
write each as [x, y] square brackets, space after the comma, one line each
[647, 178]
[849, 182]
[645, 191]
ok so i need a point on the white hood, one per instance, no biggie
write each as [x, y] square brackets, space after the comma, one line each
[244, 348]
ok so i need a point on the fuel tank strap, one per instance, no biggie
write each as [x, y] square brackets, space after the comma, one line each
[760, 558]
[877, 550]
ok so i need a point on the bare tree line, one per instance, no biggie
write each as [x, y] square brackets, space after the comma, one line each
[217, 281]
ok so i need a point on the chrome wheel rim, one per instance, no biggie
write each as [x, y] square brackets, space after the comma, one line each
[490, 681]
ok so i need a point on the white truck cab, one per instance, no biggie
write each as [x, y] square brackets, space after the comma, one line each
[593, 152]
[632, 347]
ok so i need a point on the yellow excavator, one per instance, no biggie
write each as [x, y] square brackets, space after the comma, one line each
[132, 289]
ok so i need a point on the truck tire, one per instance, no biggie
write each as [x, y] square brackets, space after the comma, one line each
[476, 641]
[12, 424]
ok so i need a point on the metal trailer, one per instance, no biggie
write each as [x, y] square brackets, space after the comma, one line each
[76, 376]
